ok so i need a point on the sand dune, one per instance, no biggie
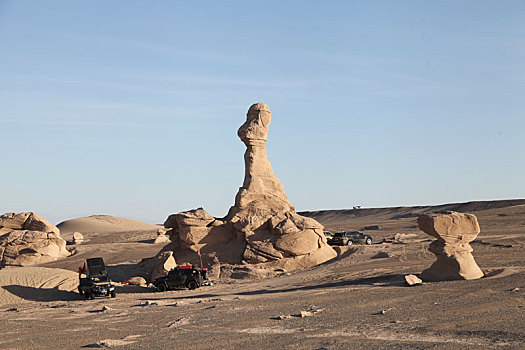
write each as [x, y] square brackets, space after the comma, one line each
[22, 284]
[104, 223]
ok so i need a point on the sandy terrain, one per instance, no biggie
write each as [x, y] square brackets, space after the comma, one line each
[358, 300]
[103, 223]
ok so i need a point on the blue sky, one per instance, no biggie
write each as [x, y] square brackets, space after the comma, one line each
[130, 108]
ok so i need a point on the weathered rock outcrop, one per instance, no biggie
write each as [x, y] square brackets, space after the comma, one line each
[262, 229]
[454, 231]
[27, 221]
[29, 239]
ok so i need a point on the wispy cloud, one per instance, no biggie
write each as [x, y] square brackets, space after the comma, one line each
[152, 47]
[87, 123]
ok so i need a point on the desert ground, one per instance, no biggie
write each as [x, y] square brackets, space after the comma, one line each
[358, 300]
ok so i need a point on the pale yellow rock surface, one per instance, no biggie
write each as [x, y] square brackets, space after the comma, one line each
[412, 280]
[450, 226]
[162, 264]
[29, 239]
[262, 212]
[454, 231]
[78, 237]
[161, 239]
[137, 281]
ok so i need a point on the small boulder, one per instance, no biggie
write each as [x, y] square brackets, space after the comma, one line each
[78, 238]
[138, 281]
[161, 239]
[412, 280]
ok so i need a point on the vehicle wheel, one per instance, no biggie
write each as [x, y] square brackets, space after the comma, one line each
[91, 296]
[162, 287]
[369, 241]
[113, 294]
[192, 285]
[349, 242]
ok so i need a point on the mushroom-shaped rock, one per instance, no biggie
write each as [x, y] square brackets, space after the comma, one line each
[454, 231]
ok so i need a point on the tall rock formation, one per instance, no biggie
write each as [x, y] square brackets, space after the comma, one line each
[262, 214]
[29, 239]
[454, 231]
[262, 231]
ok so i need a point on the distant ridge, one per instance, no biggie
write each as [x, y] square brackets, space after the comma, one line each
[404, 212]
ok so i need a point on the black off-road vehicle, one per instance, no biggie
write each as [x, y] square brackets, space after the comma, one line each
[349, 238]
[190, 277]
[97, 281]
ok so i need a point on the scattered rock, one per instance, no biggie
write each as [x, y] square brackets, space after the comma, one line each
[179, 322]
[109, 343]
[284, 317]
[454, 231]
[404, 237]
[13, 309]
[412, 280]
[515, 289]
[149, 303]
[306, 313]
[302, 314]
[105, 308]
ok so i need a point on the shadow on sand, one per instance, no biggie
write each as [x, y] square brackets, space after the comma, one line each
[41, 294]
[133, 289]
[391, 280]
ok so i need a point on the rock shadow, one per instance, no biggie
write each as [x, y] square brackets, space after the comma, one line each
[196, 296]
[133, 289]
[41, 294]
[391, 280]
[121, 272]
